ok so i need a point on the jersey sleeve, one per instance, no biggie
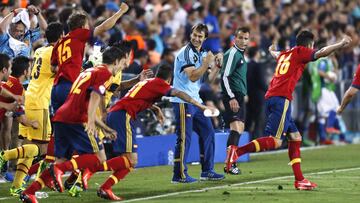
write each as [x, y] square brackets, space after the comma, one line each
[229, 66]
[356, 81]
[185, 59]
[101, 82]
[305, 54]
[162, 87]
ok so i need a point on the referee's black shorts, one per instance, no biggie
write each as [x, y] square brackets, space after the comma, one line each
[229, 115]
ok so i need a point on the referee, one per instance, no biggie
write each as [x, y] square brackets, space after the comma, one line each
[234, 89]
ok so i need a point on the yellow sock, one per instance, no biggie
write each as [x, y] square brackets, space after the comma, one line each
[22, 169]
[25, 151]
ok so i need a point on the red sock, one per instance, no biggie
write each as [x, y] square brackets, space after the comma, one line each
[50, 157]
[294, 156]
[81, 162]
[33, 169]
[43, 180]
[114, 178]
[260, 144]
[118, 163]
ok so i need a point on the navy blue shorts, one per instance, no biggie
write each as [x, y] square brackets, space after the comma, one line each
[278, 117]
[126, 137]
[71, 138]
[59, 94]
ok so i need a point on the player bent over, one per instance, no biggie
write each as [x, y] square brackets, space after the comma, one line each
[142, 96]
[70, 133]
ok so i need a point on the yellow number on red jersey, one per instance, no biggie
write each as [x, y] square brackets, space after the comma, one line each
[84, 76]
[283, 65]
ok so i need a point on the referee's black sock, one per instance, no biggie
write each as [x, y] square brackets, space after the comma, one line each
[233, 138]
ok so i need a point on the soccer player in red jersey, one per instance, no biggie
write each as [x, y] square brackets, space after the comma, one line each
[70, 133]
[121, 117]
[351, 92]
[67, 56]
[290, 66]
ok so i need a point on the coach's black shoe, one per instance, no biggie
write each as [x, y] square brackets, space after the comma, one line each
[233, 170]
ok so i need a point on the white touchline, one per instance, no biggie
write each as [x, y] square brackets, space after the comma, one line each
[233, 185]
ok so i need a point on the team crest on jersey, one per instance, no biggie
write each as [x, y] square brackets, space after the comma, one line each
[102, 89]
[195, 58]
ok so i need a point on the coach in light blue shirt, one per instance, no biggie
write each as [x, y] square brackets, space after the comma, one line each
[191, 63]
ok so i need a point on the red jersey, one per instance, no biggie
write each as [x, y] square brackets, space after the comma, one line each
[356, 81]
[14, 86]
[68, 54]
[75, 108]
[290, 66]
[142, 96]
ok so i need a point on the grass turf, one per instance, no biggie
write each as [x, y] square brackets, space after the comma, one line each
[145, 182]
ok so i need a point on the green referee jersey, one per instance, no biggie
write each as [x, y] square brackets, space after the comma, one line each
[233, 72]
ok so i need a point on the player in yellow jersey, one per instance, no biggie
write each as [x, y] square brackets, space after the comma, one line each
[37, 101]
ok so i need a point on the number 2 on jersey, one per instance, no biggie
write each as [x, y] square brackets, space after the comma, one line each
[64, 51]
[85, 76]
[283, 65]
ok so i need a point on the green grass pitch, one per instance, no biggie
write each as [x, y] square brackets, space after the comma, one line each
[266, 178]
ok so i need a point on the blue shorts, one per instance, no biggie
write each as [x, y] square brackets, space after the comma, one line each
[71, 138]
[126, 136]
[278, 117]
[59, 94]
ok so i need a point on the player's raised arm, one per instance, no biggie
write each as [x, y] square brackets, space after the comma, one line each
[110, 22]
[325, 51]
[274, 53]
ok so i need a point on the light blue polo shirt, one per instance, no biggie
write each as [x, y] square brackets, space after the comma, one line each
[187, 56]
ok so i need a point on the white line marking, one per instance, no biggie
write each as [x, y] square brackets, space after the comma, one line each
[235, 185]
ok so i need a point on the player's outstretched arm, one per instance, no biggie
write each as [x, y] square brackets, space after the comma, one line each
[325, 51]
[349, 94]
[182, 95]
[110, 22]
[145, 74]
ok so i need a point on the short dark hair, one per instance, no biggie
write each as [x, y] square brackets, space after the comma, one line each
[304, 38]
[243, 29]
[124, 46]
[77, 20]
[111, 54]
[19, 65]
[201, 27]
[164, 71]
[4, 61]
[54, 31]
